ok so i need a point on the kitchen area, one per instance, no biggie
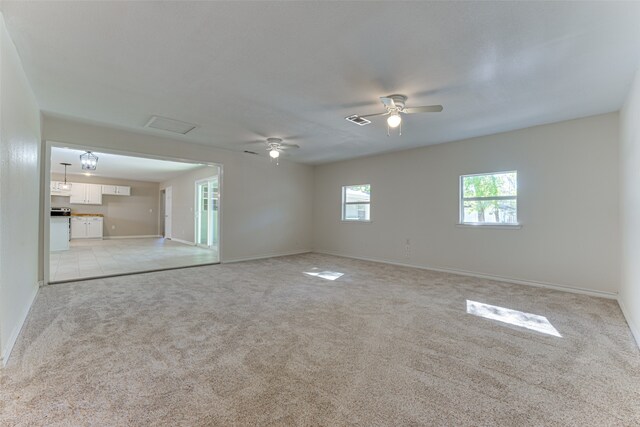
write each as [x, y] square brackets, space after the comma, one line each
[105, 220]
[67, 224]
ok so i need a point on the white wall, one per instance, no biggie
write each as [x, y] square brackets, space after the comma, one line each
[266, 209]
[568, 206]
[630, 207]
[19, 194]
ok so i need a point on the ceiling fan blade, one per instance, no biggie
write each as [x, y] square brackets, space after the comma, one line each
[286, 145]
[374, 115]
[425, 109]
[388, 102]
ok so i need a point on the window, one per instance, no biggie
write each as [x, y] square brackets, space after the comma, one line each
[490, 198]
[356, 202]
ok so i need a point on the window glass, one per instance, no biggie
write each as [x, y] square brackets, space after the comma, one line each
[356, 203]
[489, 198]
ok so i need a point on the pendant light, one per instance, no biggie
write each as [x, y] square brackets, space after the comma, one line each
[89, 161]
[65, 186]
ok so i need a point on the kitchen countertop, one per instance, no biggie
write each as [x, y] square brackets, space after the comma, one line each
[86, 214]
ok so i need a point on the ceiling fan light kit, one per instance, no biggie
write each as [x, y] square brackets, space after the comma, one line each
[395, 106]
[394, 120]
[275, 147]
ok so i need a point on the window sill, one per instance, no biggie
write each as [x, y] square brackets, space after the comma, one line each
[356, 221]
[495, 226]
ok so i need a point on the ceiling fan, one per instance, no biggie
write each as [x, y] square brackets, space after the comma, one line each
[275, 146]
[395, 105]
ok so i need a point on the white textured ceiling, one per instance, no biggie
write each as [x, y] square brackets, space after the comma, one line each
[117, 166]
[244, 71]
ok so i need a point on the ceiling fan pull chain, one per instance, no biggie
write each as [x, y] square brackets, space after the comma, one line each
[388, 131]
[400, 134]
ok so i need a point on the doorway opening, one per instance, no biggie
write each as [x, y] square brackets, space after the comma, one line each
[167, 204]
[128, 214]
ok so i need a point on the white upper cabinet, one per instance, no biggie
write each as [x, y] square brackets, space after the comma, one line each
[78, 194]
[86, 194]
[116, 190]
[57, 188]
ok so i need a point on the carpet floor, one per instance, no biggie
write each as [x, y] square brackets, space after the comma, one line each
[290, 341]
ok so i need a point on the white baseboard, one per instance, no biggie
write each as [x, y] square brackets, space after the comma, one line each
[564, 288]
[635, 329]
[149, 236]
[6, 352]
[264, 256]
[186, 242]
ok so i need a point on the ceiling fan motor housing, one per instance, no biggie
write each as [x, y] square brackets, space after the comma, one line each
[399, 100]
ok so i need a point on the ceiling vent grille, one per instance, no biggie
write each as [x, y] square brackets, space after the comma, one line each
[358, 120]
[170, 125]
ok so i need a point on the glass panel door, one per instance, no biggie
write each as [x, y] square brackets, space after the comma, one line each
[203, 213]
[207, 210]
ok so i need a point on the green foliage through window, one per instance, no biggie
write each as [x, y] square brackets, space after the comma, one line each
[489, 198]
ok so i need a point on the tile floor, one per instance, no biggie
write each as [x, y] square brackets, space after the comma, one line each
[92, 258]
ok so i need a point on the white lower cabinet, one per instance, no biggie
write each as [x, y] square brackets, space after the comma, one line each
[86, 227]
[59, 233]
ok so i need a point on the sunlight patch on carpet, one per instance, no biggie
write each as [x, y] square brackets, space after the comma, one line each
[324, 274]
[513, 317]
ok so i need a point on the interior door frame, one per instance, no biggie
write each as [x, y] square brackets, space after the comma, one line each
[168, 212]
[45, 183]
[197, 213]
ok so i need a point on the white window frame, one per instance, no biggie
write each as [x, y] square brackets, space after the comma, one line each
[345, 203]
[462, 199]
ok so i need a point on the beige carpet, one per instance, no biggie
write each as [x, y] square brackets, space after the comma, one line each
[262, 343]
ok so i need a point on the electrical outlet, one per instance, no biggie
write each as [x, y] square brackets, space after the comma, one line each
[113, 227]
[407, 248]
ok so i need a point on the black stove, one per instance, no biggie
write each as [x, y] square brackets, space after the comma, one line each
[60, 211]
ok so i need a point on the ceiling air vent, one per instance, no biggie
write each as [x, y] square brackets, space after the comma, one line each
[170, 125]
[358, 120]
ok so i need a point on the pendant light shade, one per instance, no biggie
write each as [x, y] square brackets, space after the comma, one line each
[89, 161]
[65, 185]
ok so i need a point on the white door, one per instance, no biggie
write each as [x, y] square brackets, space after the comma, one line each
[167, 212]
